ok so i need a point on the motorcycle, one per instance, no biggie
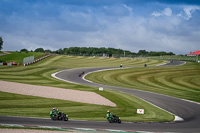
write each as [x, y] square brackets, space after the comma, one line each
[80, 75]
[114, 119]
[59, 116]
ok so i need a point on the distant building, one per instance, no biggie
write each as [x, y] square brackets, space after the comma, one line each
[194, 53]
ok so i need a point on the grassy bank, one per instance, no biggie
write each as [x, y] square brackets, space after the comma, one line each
[18, 56]
[182, 81]
[40, 74]
[175, 57]
[29, 106]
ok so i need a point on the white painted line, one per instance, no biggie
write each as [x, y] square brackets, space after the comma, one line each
[12, 125]
[86, 129]
[100, 71]
[49, 127]
[177, 118]
[113, 130]
[54, 75]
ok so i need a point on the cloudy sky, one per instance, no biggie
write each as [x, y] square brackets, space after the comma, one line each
[152, 25]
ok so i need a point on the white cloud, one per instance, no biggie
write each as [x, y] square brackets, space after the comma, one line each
[166, 12]
[118, 26]
[188, 11]
[129, 8]
[157, 14]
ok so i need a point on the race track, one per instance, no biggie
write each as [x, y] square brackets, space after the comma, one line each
[188, 111]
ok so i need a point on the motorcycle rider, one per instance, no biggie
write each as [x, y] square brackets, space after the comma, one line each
[82, 73]
[55, 111]
[112, 118]
[110, 115]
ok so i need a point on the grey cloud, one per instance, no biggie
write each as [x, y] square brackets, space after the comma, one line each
[102, 28]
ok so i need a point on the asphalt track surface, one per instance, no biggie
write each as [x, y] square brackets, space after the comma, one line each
[186, 110]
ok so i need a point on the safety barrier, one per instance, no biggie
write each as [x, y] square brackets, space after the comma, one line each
[8, 64]
[35, 61]
[26, 64]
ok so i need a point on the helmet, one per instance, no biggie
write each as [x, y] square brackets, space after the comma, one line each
[108, 111]
[54, 108]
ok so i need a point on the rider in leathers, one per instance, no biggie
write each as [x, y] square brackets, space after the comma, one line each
[110, 115]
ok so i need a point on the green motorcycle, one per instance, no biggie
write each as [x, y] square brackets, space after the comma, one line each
[56, 115]
[113, 118]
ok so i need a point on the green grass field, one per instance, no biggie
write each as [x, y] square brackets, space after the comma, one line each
[175, 57]
[180, 81]
[18, 57]
[40, 74]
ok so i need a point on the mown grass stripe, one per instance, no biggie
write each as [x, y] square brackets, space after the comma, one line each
[180, 81]
[40, 74]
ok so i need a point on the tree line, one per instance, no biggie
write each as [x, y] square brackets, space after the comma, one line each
[93, 51]
[1, 43]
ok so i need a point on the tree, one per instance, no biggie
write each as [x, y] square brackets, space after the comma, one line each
[1, 43]
[24, 50]
[39, 50]
[48, 51]
[143, 52]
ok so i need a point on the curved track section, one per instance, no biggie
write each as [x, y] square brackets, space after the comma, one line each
[187, 110]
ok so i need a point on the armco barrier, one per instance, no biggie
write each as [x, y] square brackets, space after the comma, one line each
[8, 64]
[29, 63]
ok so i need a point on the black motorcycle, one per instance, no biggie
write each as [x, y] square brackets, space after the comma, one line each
[114, 119]
[59, 116]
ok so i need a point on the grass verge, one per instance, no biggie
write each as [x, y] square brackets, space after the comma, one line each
[30, 106]
[180, 81]
[18, 57]
[40, 74]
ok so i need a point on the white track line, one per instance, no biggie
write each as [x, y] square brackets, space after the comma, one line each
[54, 75]
[177, 118]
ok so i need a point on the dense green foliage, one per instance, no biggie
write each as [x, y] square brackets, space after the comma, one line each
[40, 74]
[106, 52]
[24, 50]
[91, 51]
[180, 81]
[1, 43]
[152, 53]
[39, 50]
[111, 52]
